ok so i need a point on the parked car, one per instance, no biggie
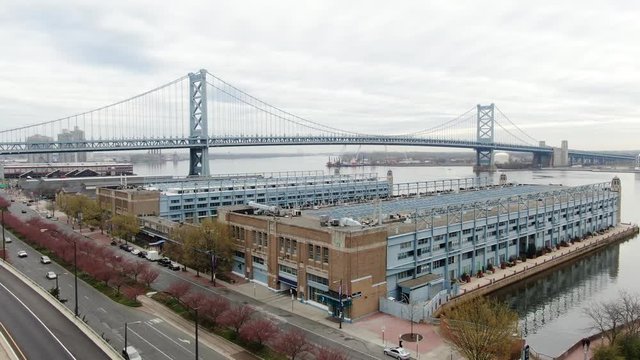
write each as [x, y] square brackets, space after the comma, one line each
[129, 248]
[135, 251]
[22, 253]
[123, 246]
[130, 353]
[114, 243]
[49, 216]
[165, 261]
[397, 352]
[45, 259]
[142, 254]
[174, 266]
[51, 275]
[8, 240]
[23, 211]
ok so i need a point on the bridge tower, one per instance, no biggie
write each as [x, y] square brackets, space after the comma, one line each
[484, 155]
[198, 130]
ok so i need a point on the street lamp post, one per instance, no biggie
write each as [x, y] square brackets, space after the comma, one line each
[126, 324]
[4, 250]
[383, 344]
[196, 311]
[57, 287]
[291, 292]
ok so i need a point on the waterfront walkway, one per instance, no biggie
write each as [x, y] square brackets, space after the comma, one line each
[562, 254]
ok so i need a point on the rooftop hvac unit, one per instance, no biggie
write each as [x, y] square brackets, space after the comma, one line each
[334, 222]
[271, 209]
[324, 220]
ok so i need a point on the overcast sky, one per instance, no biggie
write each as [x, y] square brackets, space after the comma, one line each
[559, 69]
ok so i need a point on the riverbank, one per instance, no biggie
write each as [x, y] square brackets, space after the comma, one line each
[500, 278]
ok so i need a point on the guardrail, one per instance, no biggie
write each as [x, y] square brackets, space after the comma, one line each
[92, 334]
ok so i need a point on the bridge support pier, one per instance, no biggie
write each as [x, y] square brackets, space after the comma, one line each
[198, 132]
[484, 155]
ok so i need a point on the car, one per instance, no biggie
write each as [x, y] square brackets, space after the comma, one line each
[51, 275]
[13, 200]
[45, 259]
[397, 352]
[165, 261]
[49, 216]
[174, 266]
[130, 353]
[23, 211]
[22, 253]
[135, 251]
[8, 240]
[142, 254]
[123, 247]
[129, 248]
[114, 243]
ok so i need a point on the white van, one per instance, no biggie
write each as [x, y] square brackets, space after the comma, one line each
[152, 255]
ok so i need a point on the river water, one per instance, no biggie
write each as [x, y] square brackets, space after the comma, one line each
[550, 306]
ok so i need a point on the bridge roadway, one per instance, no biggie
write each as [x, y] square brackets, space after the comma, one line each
[154, 338]
[14, 148]
[38, 328]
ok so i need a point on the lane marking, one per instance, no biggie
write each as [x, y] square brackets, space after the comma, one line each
[150, 344]
[40, 321]
[103, 310]
[15, 345]
[170, 339]
[185, 341]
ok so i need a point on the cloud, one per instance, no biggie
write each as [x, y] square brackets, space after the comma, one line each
[555, 69]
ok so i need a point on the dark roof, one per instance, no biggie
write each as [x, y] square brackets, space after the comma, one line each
[419, 282]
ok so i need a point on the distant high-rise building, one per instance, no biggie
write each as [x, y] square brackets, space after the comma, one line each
[74, 135]
[31, 143]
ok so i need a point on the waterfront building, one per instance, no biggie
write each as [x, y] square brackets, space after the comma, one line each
[194, 199]
[345, 258]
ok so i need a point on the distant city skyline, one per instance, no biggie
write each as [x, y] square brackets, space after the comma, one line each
[556, 69]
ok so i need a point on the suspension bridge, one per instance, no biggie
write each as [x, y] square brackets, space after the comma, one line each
[200, 111]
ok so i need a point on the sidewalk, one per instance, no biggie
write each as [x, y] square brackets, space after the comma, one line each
[520, 266]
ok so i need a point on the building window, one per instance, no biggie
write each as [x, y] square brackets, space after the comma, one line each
[316, 254]
[325, 255]
[405, 245]
[257, 260]
[288, 270]
[310, 251]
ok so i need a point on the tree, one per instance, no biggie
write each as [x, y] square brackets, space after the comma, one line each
[178, 289]
[480, 329]
[198, 242]
[613, 316]
[132, 292]
[125, 226]
[148, 276]
[213, 307]
[259, 331]
[326, 353]
[236, 317]
[195, 300]
[292, 344]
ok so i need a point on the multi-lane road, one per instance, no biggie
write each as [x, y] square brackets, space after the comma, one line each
[153, 337]
[160, 340]
[38, 328]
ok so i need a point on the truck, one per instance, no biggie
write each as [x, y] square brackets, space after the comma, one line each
[152, 255]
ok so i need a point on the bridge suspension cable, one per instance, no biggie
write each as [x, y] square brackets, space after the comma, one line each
[261, 118]
[535, 141]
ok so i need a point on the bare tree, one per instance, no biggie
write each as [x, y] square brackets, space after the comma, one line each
[481, 329]
[612, 317]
